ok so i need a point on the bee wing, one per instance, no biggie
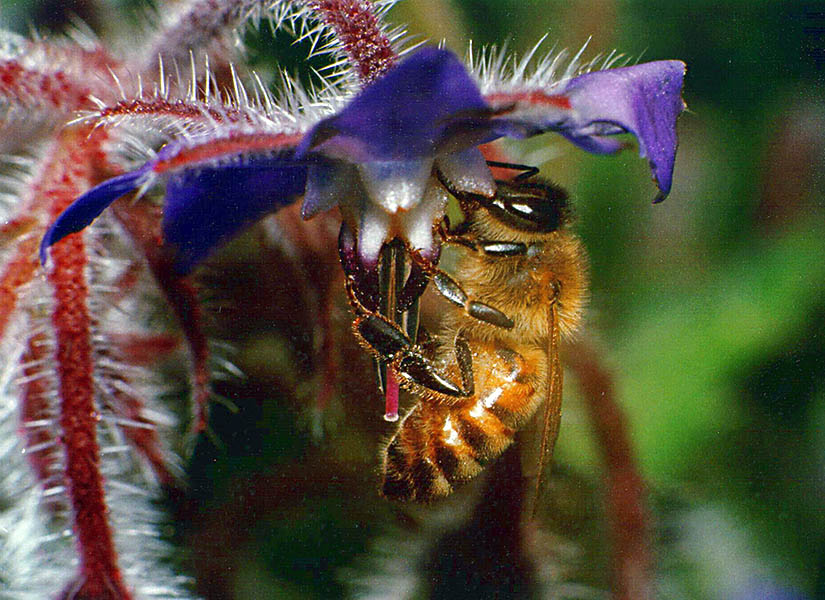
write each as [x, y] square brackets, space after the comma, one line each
[552, 406]
[552, 410]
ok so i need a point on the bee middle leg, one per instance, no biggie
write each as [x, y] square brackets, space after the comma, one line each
[454, 292]
[494, 248]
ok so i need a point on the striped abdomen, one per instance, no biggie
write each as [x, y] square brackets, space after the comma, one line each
[440, 444]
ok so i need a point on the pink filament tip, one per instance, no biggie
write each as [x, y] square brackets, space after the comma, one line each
[391, 406]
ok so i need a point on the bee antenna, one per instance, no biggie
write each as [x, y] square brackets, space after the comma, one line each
[527, 171]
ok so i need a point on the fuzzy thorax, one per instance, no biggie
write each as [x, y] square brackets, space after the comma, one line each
[524, 287]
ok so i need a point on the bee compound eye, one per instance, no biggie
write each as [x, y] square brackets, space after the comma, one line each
[536, 205]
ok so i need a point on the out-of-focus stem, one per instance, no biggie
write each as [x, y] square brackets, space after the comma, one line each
[625, 490]
[144, 228]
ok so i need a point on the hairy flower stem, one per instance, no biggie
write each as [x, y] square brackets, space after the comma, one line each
[30, 87]
[35, 409]
[19, 271]
[359, 32]
[625, 495]
[144, 228]
[99, 576]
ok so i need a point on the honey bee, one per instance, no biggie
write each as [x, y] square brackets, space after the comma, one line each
[520, 284]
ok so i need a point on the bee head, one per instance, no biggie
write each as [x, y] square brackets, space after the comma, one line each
[535, 206]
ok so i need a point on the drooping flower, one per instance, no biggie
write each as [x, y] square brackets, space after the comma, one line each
[376, 156]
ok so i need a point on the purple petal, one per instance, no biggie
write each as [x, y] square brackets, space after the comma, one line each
[90, 205]
[329, 185]
[206, 206]
[408, 114]
[468, 172]
[644, 100]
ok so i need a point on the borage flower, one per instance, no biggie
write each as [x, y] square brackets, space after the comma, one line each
[378, 157]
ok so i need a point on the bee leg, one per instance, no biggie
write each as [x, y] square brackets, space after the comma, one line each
[390, 343]
[503, 249]
[452, 291]
[527, 171]
[459, 237]
[419, 370]
[456, 236]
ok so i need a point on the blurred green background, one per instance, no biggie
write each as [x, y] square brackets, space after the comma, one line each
[709, 308]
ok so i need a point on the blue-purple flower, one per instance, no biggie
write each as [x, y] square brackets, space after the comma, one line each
[376, 157]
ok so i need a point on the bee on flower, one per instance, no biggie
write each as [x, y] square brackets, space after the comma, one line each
[389, 156]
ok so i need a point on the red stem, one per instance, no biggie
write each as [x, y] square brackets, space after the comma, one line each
[19, 271]
[143, 227]
[358, 29]
[28, 87]
[141, 350]
[36, 427]
[219, 148]
[99, 576]
[144, 438]
[175, 109]
[533, 98]
[626, 509]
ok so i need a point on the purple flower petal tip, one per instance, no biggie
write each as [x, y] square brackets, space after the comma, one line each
[90, 205]
[644, 100]
[407, 114]
[207, 205]
[204, 205]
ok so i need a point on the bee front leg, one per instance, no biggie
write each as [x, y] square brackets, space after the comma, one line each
[415, 370]
[390, 343]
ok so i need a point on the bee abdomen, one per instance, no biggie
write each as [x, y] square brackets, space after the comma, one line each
[437, 447]
[410, 476]
[411, 471]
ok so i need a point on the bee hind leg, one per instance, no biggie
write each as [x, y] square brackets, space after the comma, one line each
[419, 370]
